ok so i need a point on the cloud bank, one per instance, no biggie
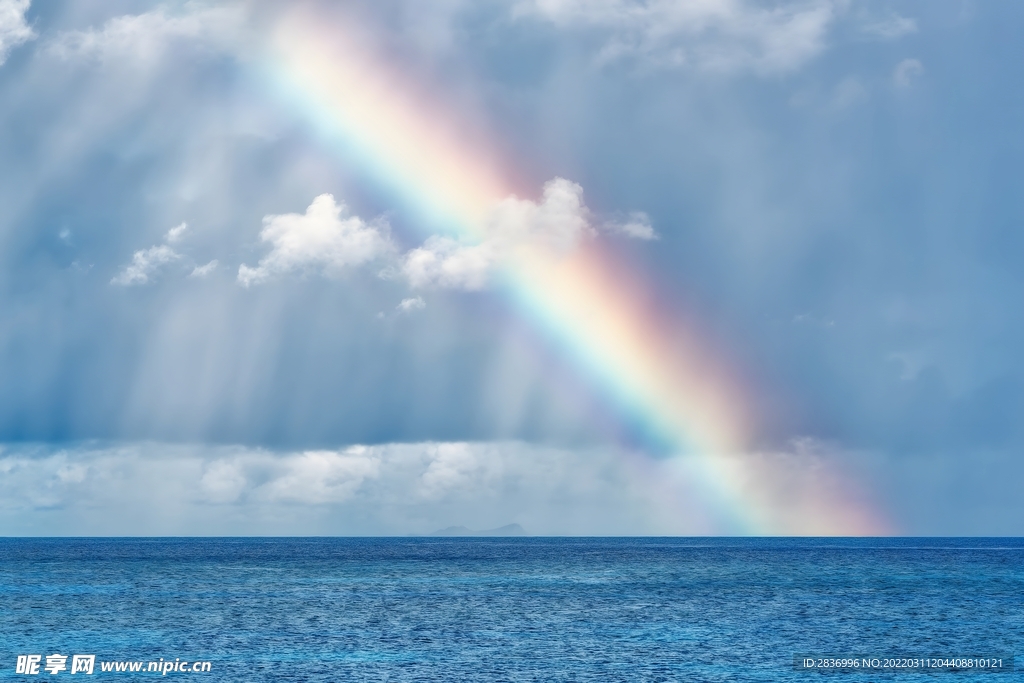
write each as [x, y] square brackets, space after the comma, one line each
[384, 489]
[149, 488]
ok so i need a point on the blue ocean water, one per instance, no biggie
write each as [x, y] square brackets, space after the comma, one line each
[523, 609]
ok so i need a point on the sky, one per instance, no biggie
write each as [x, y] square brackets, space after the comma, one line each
[600, 267]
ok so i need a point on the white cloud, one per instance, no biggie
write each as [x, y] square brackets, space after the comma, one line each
[319, 477]
[223, 480]
[444, 262]
[13, 29]
[135, 40]
[205, 269]
[457, 469]
[145, 263]
[636, 225]
[906, 71]
[715, 35]
[558, 222]
[176, 233]
[321, 240]
[324, 240]
[414, 304]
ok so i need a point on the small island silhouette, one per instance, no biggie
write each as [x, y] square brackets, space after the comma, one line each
[507, 530]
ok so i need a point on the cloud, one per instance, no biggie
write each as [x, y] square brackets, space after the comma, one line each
[176, 233]
[155, 488]
[145, 263]
[445, 262]
[636, 225]
[557, 223]
[458, 468]
[152, 488]
[713, 35]
[13, 29]
[321, 240]
[324, 240]
[319, 477]
[204, 270]
[906, 71]
[135, 40]
[413, 304]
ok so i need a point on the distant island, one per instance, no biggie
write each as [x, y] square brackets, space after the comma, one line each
[507, 530]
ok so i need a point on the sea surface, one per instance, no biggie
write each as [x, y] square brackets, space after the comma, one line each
[512, 609]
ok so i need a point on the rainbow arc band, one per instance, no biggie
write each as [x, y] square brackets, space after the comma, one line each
[655, 375]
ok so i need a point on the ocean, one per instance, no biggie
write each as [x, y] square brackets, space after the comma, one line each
[512, 609]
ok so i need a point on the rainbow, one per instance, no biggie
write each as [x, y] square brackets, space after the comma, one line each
[656, 376]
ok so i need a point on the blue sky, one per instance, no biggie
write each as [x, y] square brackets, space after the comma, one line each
[834, 192]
